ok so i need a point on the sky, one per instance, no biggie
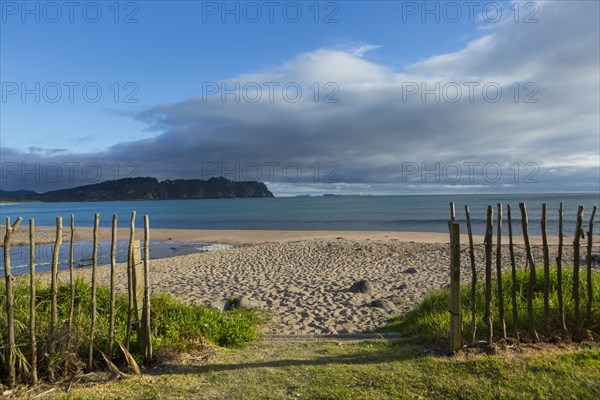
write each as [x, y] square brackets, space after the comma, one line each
[345, 97]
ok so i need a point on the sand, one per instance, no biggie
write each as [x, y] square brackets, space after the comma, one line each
[47, 234]
[302, 278]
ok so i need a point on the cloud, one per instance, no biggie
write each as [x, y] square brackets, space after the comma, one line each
[331, 120]
[361, 50]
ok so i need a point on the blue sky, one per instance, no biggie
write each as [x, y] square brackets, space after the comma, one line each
[376, 138]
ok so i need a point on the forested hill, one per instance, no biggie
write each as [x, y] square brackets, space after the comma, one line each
[148, 189]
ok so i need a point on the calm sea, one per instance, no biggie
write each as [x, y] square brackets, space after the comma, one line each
[425, 213]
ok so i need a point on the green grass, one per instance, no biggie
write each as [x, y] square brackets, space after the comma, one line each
[375, 369]
[174, 324]
[430, 321]
[364, 370]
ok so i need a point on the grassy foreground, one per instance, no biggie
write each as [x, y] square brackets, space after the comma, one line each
[408, 368]
[377, 369]
[365, 370]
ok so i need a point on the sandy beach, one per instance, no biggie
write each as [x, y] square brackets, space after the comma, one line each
[302, 278]
[47, 234]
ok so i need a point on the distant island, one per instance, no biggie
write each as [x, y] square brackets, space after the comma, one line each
[146, 189]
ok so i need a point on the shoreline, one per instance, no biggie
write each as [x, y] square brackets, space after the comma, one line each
[46, 235]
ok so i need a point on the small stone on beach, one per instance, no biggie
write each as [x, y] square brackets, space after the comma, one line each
[362, 286]
[385, 304]
[244, 302]
[219, 304]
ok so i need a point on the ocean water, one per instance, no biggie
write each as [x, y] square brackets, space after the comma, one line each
[83, 252]
[423, 213]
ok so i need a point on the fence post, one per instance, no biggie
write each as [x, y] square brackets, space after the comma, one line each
[145, 335]
[72, 287]
[473, 277]
[130, 280]
[513, 268]
[33, 361]
[54, 276]
[10, 318]
[71, 279]
[137, 278]
[499, 273]
[588, 317]
[559, 285]
[546, 272]
[531, 283]
[93, 316]
[455, 314]
[487, 316]
[111, 322]
[576, 255]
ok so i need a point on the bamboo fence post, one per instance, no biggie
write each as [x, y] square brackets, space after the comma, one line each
[546, 272]
[71, 280]
[559, 284]
[33, 360]
[576, 255]
[93, 304]
[473, 277]
[10, 317]
[146, 311]
[588, 309]
[54, 276]
[531, 283]
[499, 272]
[513, 270]
[130, 279]
[111, 323]
[488, 275]
[455, 314]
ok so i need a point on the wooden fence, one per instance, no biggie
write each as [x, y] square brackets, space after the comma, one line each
[138, 291]
[576, 327]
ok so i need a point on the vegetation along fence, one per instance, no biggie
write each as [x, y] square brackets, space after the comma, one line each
[70, 335]
[562, 303]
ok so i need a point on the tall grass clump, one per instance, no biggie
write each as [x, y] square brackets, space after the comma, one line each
[62, 354]
[430, 321]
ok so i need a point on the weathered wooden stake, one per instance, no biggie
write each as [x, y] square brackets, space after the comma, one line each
[33, 359]
[137, 279]
[54, 277]
[559, 283]
[455, 314]
[111, 321]
[473, 277]
[130, 288]
[452, 212]
[487, 316]
[10, 317]
[546, 272]
[576, 256]
[93, 316]
[531, 283]
[499, 273]
[147, 334]
[71, 278]
[588, 309]
[513, 270]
